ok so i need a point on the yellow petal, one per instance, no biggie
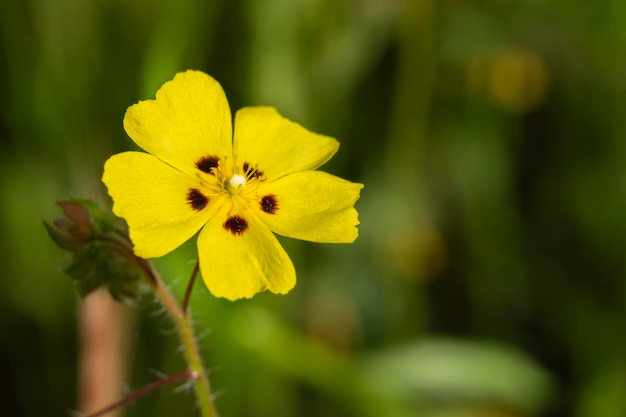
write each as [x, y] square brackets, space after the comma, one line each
[311, 205]
[276, 145]
[240, 264]
[189, 120]
[156, 201]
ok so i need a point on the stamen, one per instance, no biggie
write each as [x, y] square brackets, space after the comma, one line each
[252, 171]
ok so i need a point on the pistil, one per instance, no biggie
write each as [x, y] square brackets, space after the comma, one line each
[235, 183]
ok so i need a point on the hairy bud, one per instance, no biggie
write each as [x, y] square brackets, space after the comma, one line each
[101, 252]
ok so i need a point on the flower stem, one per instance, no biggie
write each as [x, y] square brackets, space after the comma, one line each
[145, 390]
[202, 386]
[192, 280]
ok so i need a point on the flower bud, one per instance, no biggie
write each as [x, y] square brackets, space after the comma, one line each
[101, 252]
[73, 230]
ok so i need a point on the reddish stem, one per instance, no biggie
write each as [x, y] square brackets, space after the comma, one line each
[194, 274]
[145, 390]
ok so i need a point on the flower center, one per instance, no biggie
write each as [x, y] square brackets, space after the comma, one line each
[221, 177]
[235, 183]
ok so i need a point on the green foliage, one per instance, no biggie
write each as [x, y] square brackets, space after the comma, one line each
[102, 253]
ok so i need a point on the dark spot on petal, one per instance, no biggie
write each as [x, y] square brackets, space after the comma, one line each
[196, 199]
[269, 204]
[206, 163]
[251, 172]
[236, 225]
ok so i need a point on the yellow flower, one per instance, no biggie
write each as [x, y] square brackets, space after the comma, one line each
[237, 189]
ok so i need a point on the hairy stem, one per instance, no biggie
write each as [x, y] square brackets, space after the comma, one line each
[202, 386]
[143, 391]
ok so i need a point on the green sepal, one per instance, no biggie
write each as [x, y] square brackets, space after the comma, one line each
[102, 254]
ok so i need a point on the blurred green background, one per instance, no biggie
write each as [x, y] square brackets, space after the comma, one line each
[489, 275]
